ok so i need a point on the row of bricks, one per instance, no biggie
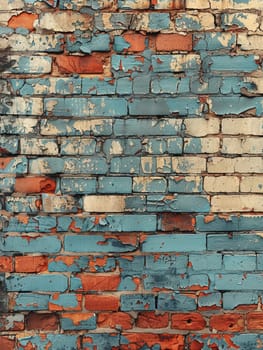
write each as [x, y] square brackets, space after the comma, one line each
[98, 165]
[143, 127]
[138, 85]
[192, 321]
[126, 65]
[194, 203]
[152, 22]
[114, 243]
[134, 341]
[201, 301]
[129, 146]
[139, 222]
[128, 266]
[128, 4]
[117, 107]
[127, 185]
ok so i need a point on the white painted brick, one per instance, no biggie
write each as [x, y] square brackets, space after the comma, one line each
[205, 21]
[25, 106]
[247, 20]
[249, 145]
[208, 144]
[8, 5]
[101, 204]
[38, 146]
[250, 42]
[237, 203]
[197, 4]
[34, 42]
[245, 126]
[221, 184]
[252, 184]
[191, 165]
[231, 165]
[66, 21]
[201, 127]
[136, 4]
[237, 5]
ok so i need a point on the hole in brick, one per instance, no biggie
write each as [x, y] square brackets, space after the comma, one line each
[189, 321]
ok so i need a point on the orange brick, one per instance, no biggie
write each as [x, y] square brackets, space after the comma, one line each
[23, 20]
[152, 320]
[136, 41]
[37, 184]
[255, 320]
[80, 64]
[31, 263]
[190, 320]
[114, 320]
[174, 42]
[98, 282]
[101, 303]
[6, 264]
[227, 322]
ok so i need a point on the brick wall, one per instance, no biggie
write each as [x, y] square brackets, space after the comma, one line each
[131, 174]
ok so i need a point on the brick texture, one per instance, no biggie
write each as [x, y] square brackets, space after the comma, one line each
[131, 174]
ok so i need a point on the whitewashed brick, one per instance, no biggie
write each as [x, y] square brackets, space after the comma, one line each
[201, 127]
[191, 165]
[221, 184]
[197, 4]
[237, 203]
[245, 126]
[250, 42]
[249, 145]
[101, 204]
[66, 21]
[252, 184]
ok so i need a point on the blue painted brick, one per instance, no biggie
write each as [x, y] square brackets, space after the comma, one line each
[158, 21]
[29, 204]
[58, 341]
[58, 265]
[129, 63]
[31, 302]
[175, 63]
[234, 241]
[30, 224]
[34, 283]
[78, 185]
[116, 21]
[231, 300]
[99, 43]
[127, 283]
[68, 301]
[260, 261]
[133, 265]
[68, 324]
[239, 262]
[101, 341]
[238, 282]
[174, 145]
[176, 302]
[230, 63]
[124, 86]
[7, 184]
[125, 165]
[16, 165]
[137, 302]
[81, 107]
[204, 262]
[8, 145]
[77, 146]
[236, 105]
[135, 203]
[174, 243]
[216, 224]
[209, 300]
[22, 244]
[120, 44]
[213, 41]
[114, 184]
[26, 65]
[96, 86]
[176, 263]
[170, 85]
[187, 184]
[128, 146]
[141, 85]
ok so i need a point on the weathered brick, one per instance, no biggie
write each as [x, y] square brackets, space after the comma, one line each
[251, 184]
[227, 322]
[174, 42]
[235, 203]
[36, 42]
[80, 64]
[44, 321]
[66, 21]
[242, 20]
[194, 22]
[221, 183]
[188, 321]
[78, 321]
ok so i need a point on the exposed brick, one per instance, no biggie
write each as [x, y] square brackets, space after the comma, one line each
[227, 322]
[43, 321]
[6, 264]
[7, 343]
[174, 42]
[80, 64]
[136, 42]
[188, 321]
[31, 264]
[23, 20]
[255, 320]
[37, 184]
[152, 320]
[115, 320]
[181, 222]
[101, 303]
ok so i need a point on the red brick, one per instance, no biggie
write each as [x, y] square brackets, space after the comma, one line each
[227, 322]
[114, 320]
[44, 322]
[174, 42]
[31, 263]
[136, 41]
[6, 264]
[7, 343]
[101, 303]
[98, 282]
[80, 64]
[37, 184]
[179, 222]
[188, 321]
[152, 320]
[255, 320]
[166, 341]
[23, 20]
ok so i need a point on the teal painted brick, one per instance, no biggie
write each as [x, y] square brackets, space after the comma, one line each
[163, 106]
[251, 222]
[176, 263]
[29, 204]
[127, 284]
[79, 263]
[184, 21]
[8, 145]
[174, 243]
[78, 146]
[154, 145]
[16, 125]
[216, 223]
[176, 302]
[175, 63]
[127, 146]
[99, 43]
[135, 203]
[238, 282]
[239, 262]
[233, 85]
[175, 145]
[78, 185]
[125, 165]
[120, 44]
[101, 341]
[170, 85]
[117, 21]
[130, 63]
[17, 165]
[66, 127]
[141, 85]
[31, 65]
[7, 184]
[230, 63]
[124, 86]
[114, 184]
[231, 300]
[58, 341]
[182, 184]
[99, 244]
[96, 86]
[209, 300]
[64, 301]
[35, 283]
[30, 224]
[67, 323]
[204, 262]
[81, 107]
[213, 41]
[134, 265]
[236, 20]
[234, 241]
[43, 244]
[153, 184]
[180, 203]
[143, 127]
[137, 302]
[236, 105]
[31, 302]
[206, 86]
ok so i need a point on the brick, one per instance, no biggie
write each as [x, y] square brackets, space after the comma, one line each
[101, 302]
[17, 125]
[205, 262]
[238, 281]
[64, 341]
[151, 22]
[196, 4]
[137, 302]
[101, 204]
[8, 146]
[23, 106]
[242, 20]
[174, 42]
[6, 264]
[152, 320]
[148, 340]
[235, 241]
[64, 21]
[65, 302]
[214, 41]
[111, 184]
[227, 322]
[37, 184]
[235, 203]
[221, 183]
[80, 64]
[241, 146]
[251, 184]
[108, 22]
[174, 222]
[30, 264]
[233, 300]
[245, 126]
[17, 165]
[14, 5]
[205, 145]
[114, 320]
[209, 301]
[254, 320]
[78, 321]
[191, 22]
[176, 302]
[31, 283]
[249, 42]
[7, 343]
[130, 43]
[188, 321]
[37, 42]
[23, 20]
[185, 184]
[101, 340]
[45, 321]
[30, 302]
[239, 165]
[11, 322]
[60, 204]
[99, 283]
[175, 63]
[239, 262]
[199, 127]
[235, 105]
